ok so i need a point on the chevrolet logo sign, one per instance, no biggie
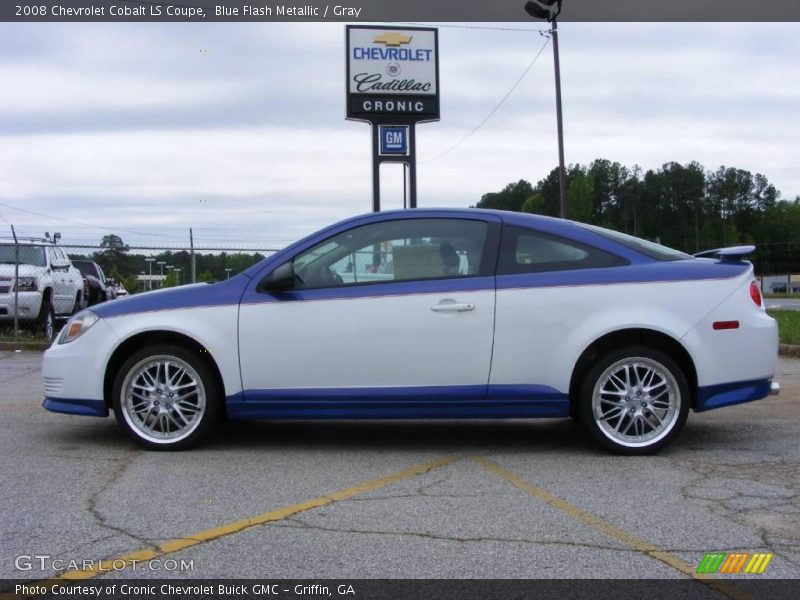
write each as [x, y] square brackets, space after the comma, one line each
[392, 39]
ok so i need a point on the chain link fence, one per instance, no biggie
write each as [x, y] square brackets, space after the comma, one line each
[784, 283]
[43, 281]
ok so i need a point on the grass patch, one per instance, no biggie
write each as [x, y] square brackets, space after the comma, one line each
[26, 333]
[788, 325]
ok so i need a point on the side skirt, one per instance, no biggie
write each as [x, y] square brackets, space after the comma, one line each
[425, 402]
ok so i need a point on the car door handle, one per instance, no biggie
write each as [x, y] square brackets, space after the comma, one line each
[451, 306]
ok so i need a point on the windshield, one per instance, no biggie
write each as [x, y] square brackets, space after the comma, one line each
[651, 249]
[28, 255]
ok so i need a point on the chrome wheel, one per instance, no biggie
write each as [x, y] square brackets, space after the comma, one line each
[49, 326]
[163, 399]
[636, 402]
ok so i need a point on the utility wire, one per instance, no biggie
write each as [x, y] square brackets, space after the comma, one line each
[31, 212]
[485, 27]
[495, 109]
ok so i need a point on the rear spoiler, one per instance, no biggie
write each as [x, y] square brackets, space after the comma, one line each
[731, 253]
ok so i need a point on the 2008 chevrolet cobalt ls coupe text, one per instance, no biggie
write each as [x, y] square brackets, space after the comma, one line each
[431, 314]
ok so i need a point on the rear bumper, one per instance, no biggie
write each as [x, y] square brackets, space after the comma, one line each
[739, 392]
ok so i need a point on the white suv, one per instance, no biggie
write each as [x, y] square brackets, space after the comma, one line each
[48, 285]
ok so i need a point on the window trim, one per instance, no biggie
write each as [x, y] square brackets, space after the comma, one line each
[487, 268]
[517, 230]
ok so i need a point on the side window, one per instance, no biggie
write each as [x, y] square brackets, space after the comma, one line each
[52, 256]
[528, 251]
[402, 250]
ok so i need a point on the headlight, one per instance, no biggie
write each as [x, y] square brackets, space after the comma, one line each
[77, 326]
[26, 284]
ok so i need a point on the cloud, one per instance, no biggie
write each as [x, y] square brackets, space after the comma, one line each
[238, 129]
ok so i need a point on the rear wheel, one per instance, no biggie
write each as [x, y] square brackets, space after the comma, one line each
[634, 400]
[166, 397]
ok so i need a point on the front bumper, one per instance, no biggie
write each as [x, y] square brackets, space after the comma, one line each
[73, 406]
[73, 373]
[29, 305]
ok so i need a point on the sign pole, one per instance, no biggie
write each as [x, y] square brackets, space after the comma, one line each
[376, 169]
[393, 84]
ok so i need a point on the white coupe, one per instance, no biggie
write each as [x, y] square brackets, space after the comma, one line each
[431, 314]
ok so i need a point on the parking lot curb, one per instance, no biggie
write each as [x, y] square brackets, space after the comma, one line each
[791, 350]
[11, 346]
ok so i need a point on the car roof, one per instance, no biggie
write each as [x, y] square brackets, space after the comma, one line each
[25, 242]
[551, 225]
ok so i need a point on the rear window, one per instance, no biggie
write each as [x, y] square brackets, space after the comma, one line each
[85, 268]
[528, 251]
[651, 249]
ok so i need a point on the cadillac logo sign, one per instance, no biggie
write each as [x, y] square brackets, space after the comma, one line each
[392, 72]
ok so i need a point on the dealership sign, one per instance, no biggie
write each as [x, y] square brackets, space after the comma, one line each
[392, 72]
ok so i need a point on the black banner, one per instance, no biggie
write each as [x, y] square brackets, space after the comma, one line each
[366, 106]
[393, 10]
[407, 589]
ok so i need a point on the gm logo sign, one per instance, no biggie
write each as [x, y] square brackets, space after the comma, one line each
[393, 140]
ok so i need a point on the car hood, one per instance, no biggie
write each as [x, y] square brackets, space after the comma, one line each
[185, 296]
[24, 270]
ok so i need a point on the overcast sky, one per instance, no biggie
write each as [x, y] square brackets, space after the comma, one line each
[238, 129]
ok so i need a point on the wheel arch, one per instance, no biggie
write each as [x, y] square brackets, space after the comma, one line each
[149, 338]
[638, 336]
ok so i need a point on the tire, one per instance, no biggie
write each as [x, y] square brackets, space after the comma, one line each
[46, 321]
[643, 412]
[78, 306]
[152, 417]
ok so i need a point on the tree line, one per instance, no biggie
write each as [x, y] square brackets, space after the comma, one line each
[683, 206]
[118, 262]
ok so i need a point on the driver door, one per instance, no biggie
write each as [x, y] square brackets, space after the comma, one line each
[399, 310]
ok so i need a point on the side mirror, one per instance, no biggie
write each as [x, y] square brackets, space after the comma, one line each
[280, 280]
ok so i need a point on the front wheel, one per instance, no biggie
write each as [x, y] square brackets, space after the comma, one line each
[634, 400]
[46, 321]
[78, 305]
[166, 397]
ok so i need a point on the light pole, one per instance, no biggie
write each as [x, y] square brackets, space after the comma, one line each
[178, 271]
[161, 264]
[538, 11]
[150, 262]
[228, 273]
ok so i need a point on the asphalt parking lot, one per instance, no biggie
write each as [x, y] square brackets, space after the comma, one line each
[435, 499]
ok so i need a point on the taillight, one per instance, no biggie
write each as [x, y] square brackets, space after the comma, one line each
[755, 293]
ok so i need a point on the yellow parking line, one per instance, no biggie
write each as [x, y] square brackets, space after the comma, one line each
[240, 525]
[610, 530]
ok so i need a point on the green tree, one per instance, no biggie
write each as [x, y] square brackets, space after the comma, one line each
[579, 198]
[534, 204]
[511, 197]
[114, 255]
